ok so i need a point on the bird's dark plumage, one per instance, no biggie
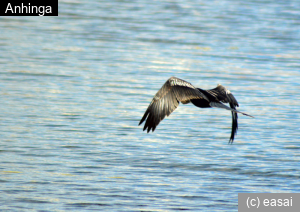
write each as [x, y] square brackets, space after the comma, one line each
[176, 90]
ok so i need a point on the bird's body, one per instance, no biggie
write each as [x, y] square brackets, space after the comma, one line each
[176, 90]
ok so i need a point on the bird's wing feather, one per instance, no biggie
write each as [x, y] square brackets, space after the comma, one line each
[224, 95]
[167, 99]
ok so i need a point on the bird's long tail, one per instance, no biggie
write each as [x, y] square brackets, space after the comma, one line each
[220, 105]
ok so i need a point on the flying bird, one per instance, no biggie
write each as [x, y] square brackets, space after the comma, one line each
[176, 90]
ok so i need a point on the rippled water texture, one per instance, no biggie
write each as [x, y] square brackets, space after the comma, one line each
[73, 89]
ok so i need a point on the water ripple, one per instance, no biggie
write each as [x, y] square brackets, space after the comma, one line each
[74, 87]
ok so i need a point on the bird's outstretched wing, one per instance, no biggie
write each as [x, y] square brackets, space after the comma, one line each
[167, 99]
[224, 95]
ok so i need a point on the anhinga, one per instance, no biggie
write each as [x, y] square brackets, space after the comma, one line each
[176, 90]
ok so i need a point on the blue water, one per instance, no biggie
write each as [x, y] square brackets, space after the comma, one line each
[74, 87]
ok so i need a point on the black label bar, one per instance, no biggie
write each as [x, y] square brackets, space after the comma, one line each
[28, 8]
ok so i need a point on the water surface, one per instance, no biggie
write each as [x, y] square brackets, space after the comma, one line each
[73, 89]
